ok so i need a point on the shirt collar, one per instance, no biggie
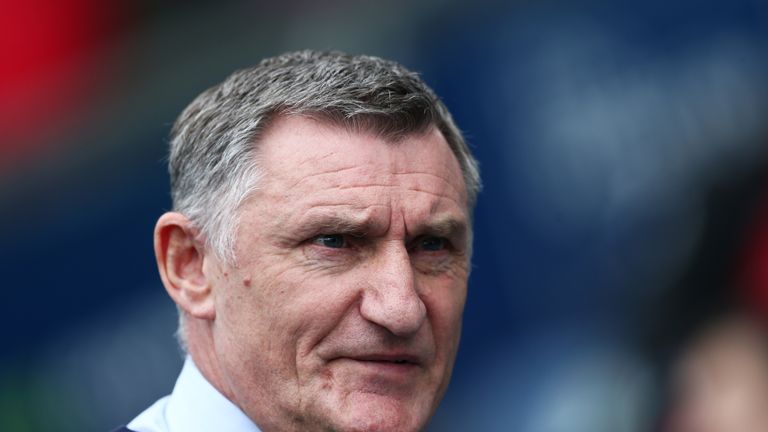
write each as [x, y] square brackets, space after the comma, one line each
[196, 406]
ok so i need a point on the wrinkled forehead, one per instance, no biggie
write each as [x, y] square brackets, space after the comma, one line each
[297, 147]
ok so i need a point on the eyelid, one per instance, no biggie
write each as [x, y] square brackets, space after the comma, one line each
[447, 243]
[317, 239]
[349, 239]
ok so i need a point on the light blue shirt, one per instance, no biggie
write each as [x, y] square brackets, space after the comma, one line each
[194, 406]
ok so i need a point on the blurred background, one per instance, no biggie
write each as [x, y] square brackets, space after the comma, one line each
[620, 281]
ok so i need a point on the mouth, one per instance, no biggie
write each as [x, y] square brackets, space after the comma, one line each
[382, 372]
[393, 365]
[385, 370]
[396, 359]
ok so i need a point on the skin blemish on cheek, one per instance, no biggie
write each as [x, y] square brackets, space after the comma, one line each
[247, 282]
[327, 375]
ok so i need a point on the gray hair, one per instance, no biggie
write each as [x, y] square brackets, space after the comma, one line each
[213, 160]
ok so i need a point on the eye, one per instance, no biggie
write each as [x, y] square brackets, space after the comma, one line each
[333, 241]
[432, 244]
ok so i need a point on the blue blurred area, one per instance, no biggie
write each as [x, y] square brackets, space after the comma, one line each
[70, 249]
[600, 127]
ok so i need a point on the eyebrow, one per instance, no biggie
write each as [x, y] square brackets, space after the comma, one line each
[448, 227]
[362, 224]
[357, 225]
[336, 224]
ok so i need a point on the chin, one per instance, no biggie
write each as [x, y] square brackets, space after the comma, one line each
[367, 412]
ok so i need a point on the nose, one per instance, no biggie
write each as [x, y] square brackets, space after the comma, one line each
[392, 300]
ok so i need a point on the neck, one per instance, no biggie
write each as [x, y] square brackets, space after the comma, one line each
[201, 348]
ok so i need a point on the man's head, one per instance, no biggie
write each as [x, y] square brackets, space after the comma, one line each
[319, 248]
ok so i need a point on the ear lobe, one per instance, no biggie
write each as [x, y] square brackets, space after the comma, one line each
[180, 260]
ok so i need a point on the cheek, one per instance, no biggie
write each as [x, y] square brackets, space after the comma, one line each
[445, 306]
[288, 307]
[249, 308]
[320, 309]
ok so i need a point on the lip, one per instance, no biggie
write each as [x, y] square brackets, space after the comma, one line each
[391, 367]
[385, 373]
[396, 359]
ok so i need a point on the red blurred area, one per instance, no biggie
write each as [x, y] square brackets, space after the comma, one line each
[54, 56]
[754, 277]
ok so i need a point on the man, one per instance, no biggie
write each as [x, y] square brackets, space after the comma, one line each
[318, 251]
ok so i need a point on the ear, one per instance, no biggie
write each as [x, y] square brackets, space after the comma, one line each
[180, 258]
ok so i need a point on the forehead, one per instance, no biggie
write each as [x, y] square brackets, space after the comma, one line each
[299, 151]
